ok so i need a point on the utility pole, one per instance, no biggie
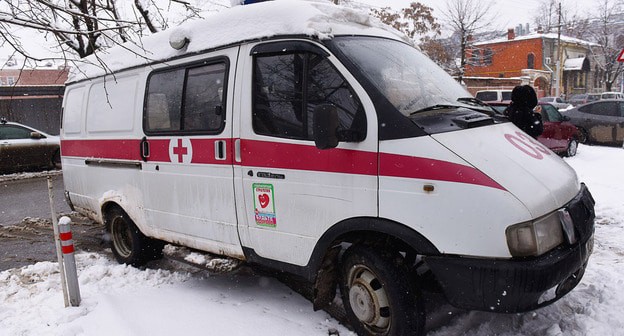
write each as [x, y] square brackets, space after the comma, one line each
[558, 64]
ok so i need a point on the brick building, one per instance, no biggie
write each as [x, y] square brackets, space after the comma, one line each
[32, 95]
[532, 59]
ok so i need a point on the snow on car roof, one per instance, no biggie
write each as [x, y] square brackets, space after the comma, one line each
[315, 18]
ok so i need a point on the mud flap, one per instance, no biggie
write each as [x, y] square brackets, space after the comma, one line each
[326, 280]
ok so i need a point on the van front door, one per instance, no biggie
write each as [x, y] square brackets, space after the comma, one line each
[293, 192]
[188, 173]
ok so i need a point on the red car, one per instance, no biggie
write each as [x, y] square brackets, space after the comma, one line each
[559, 134]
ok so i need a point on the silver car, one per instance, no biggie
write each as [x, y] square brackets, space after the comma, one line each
[556, 102]
[600, 122]
[25, 148]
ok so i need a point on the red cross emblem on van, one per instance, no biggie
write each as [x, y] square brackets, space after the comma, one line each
[180, 150]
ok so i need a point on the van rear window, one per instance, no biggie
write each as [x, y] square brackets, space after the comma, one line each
[186, 100]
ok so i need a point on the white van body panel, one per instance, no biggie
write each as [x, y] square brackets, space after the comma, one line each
[536, 176]
[318, 188]
[464, 202]
[189, 188]
[166, 199]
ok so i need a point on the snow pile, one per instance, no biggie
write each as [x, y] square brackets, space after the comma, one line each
[121, 300]
[319, 19]
[28, 175]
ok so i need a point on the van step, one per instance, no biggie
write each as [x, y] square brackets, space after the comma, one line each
[204, 260]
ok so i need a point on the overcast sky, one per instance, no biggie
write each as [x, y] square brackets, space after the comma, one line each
[510, 13]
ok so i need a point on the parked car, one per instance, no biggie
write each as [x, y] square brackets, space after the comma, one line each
[559, 134]
[583, 98]
[600, 122]
[488, 96]
[556, 102]
[611, 95]
[24, 148]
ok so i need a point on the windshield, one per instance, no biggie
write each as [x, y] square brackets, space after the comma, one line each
[408, 79]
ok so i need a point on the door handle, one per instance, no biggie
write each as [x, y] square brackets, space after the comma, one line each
[220, 150]
[145, 149]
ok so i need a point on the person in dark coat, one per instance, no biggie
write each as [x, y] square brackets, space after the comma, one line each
[520, 111]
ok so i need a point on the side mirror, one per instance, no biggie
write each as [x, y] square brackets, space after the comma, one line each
[326, 124]
[36, 135]
[566, 118]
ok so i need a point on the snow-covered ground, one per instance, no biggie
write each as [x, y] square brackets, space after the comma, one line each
[121, 300]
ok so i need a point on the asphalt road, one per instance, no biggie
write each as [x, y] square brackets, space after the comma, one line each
[29, 198]
[26, 233]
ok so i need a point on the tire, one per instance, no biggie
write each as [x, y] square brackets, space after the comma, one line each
[583, 137]
[128, 244]
[572, 147]
[378, 296]
[55, 162]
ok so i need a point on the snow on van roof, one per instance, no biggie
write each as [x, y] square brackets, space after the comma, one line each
[314, 18]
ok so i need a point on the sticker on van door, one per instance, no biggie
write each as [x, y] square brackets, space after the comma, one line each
[264, 209]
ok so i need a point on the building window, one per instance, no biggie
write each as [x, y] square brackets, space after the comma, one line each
[487, 56]
[578, 79]
[475, 57]
[531, 61]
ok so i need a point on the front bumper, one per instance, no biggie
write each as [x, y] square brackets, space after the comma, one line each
[520, 284]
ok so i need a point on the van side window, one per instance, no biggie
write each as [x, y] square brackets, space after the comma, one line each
[186, 100]
[288, 87]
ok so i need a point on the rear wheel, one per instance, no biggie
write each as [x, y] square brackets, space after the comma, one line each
[583, 137]
[128, 244]
[378, 296]
[572, 147]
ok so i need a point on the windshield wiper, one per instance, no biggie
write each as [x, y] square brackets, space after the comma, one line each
[477, 105]
[435, 107]
[472, 101]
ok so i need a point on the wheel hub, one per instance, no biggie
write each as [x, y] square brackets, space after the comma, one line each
[368, 299]
[362, 303]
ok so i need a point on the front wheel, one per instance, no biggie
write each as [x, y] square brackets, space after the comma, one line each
[572, 148]
[583, 137]
[378, 296]
[128, 244]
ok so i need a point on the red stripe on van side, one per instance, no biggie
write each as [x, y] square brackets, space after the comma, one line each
[395, 165]
[290, 156]
[203, 150]
[102, 149]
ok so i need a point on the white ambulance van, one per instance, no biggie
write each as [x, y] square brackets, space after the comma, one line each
[310, 139]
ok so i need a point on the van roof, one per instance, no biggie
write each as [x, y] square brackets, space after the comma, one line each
[316, 19]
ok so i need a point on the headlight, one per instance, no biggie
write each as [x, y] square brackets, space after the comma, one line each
[535, 238]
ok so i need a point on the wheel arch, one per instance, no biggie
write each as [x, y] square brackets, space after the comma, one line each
[376, 232]
[370, 230]
[115, 199]
[105, 209]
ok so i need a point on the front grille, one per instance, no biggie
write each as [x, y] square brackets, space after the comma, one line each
[581, 209]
